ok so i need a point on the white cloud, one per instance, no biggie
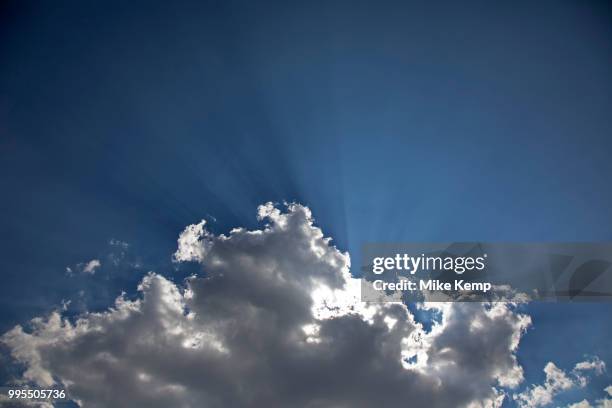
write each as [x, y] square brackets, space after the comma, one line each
[277, 321]
[605, 402]
[600, 403]
[91, 266]
[581, 404]
[84, 267]
[118, 243]
[7, 402]
[193, 243]
[594, 364]
[558, 381]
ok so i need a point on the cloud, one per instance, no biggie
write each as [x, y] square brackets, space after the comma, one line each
[91, 266]
[118, 243]
[600, 403]
[6, 402]
[118, 252]
[581, 404]
[594, 364]
[193, 243]
[274, 321]
[88, 268]
[558, 381]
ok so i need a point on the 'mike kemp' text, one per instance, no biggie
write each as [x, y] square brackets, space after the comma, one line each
[432, 285]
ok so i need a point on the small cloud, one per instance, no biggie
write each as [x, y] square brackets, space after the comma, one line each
[117, 243]
[600, 403]
[594, 364]
[581, 404]
[558, 381]
[88, 268]
[193, 243]
[65, 304]
[118, 252]
[91, 266]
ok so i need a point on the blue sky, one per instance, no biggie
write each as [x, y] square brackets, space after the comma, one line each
[398, 121]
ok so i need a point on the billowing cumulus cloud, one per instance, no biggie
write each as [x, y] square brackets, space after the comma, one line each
[274, 320]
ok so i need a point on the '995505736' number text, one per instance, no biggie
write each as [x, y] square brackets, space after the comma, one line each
[35, 394]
